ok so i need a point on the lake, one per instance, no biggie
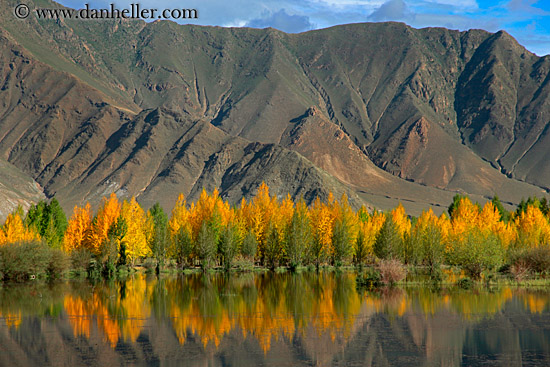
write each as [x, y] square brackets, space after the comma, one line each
[269, 319]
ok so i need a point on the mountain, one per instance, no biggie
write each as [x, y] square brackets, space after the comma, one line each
[16, 189]
[380, 111]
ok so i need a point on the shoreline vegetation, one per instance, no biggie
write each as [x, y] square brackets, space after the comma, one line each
[471, 244]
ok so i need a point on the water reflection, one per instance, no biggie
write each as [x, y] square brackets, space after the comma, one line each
[269, 318]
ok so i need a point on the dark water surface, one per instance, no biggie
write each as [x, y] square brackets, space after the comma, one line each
[269, 320]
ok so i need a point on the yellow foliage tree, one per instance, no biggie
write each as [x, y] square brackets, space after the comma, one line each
[532, 227]
[135, 238]
[321, 219]
[401, 220]
[489, 220]
[204, 209]
[180, 216]
[14, 230]
[78, 227]
[258, 215]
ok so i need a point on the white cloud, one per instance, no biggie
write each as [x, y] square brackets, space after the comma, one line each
[391, 10]
[283, 21]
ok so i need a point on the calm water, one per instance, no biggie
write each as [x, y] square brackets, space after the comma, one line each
[268, 320]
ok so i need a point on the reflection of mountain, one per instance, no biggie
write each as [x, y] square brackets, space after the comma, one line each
[381, 110]
[268, 320]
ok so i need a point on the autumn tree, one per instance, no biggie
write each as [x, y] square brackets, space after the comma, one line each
[77, 229]
[106, 216]
[533, 228]
[181, 233]
[135, 238]
[14, 230]
[473, 243]
[321, 220]
[258, 216]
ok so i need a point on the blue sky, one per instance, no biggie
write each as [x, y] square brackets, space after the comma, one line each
[527, 20]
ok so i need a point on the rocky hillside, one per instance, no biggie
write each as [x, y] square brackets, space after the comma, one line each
[381, 111]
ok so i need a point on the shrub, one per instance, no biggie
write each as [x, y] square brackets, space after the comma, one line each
[59, 263]
[520, 270]
[369, 279]
[149, 264]
[80, 259]
[22, 260]
[536, 259]
[465, 283]
[391, 271]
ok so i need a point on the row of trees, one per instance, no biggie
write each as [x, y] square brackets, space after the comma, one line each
[272, 232]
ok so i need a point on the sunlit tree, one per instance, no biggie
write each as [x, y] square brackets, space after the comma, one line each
[106, 216]
[77, 229]
[135, 238]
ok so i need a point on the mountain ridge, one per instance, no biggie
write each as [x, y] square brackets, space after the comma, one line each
[412, 115]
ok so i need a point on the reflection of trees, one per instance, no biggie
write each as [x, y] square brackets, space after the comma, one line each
[115, 315]
[303, 310]
[30, 299]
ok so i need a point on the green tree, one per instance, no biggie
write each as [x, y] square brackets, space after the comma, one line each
[431, 248]
[504, 214]
[207, 245]
[250, 246]
[158, 237]
[297, 237]
[272, 250]
[533, 201]
[183, 247]
[48, 220]
[341, 241]
[316, 253]
[114, 250]
[360, 251]
[229, 245]
[388, 241]
[476, 251]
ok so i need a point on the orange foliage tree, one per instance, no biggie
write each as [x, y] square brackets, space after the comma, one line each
[77, 230]
[106, 216]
